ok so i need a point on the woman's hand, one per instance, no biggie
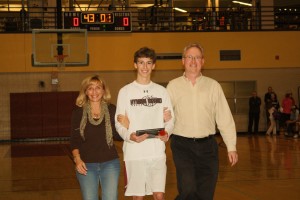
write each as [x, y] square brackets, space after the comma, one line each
[123, 120]
[80, 165]
[167, 114]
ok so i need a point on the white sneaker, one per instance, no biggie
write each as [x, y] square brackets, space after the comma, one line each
[296, 136]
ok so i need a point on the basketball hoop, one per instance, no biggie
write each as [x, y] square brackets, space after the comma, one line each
[60, 61]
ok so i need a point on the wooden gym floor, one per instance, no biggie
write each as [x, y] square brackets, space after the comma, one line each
[268, 169]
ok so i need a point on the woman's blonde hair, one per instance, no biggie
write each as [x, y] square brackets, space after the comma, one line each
[82, 98]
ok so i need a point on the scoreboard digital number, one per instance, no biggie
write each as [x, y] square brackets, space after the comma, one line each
[106, 21]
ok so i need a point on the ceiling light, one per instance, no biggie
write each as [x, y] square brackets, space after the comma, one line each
[242, 3]
[142, 5]
[180, 10]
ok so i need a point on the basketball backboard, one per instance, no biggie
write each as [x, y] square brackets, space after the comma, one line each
[54, 47]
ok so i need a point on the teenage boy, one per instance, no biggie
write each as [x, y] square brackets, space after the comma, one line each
[144, 102]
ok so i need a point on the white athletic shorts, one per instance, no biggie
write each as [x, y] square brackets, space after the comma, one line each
[145, 176]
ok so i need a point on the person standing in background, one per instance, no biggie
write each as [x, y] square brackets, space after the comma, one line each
[254, 112]
[276, 112]
[286, 105]
[272, 128]
[267, 97]
[267, 100]
[200, 106]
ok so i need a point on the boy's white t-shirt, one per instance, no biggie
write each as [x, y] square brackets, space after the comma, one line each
[144, 106]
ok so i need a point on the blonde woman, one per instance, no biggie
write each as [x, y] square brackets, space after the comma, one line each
[92, 136]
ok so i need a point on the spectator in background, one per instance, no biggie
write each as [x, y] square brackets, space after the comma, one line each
[268, 95]
[291, 123]
[272, 127]
[254, 112]
[286, 105]
[274, 101]
[267, 100]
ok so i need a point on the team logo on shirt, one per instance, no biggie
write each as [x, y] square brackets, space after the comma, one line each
[148, 101]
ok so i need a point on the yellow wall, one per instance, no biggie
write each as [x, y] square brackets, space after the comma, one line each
[111, 56]
[114, 51]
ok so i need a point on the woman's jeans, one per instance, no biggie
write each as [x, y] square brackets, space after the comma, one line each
[107, 173]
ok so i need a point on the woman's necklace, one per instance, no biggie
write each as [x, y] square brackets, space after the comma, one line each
[94, 117]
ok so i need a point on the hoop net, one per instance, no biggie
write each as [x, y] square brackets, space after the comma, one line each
[60, 61]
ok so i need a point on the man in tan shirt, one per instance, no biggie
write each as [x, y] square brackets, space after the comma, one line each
[200, 107]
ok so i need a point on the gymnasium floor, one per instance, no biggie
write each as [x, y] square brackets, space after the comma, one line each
[268, 169]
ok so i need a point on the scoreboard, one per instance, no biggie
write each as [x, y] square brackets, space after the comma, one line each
[105, 21]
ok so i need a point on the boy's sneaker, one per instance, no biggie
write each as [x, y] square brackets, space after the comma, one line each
[296, 136]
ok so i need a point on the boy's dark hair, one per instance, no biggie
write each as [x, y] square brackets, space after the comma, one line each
[145, 52]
